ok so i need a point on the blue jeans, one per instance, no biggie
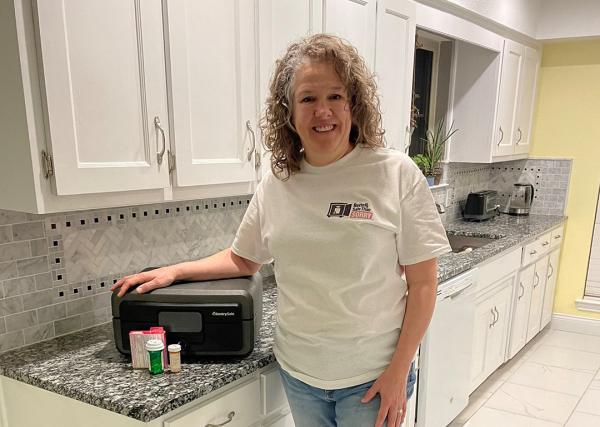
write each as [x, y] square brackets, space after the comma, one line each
[315, 407]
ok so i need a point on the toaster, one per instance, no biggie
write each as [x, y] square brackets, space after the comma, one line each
[481, 205]
[208, 318]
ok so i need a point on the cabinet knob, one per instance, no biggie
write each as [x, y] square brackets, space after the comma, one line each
[229, 419]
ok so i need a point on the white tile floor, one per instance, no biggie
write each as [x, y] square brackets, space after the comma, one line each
[554, 381]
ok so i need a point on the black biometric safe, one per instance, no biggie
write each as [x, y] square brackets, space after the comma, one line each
[211, 318]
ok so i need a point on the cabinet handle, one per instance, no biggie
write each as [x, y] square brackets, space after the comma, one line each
[159, 156]
[498, 315]
[494, 319]
[551, 270]
[251, 150]
[520, 135]
[537, 281]
[558, 236]
[229, 419]
[522, 290]
[533, 252]
[546, 243]
[501, 135]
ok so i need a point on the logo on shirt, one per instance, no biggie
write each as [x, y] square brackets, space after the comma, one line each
[351, 210]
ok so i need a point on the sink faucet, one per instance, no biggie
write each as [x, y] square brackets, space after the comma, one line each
[440, 208]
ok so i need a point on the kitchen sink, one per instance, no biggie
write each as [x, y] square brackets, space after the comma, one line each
[461, 244]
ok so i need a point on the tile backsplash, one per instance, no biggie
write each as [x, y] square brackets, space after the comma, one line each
[550, 178]
[56, 270]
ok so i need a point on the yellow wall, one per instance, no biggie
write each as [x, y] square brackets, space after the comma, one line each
[567, 124]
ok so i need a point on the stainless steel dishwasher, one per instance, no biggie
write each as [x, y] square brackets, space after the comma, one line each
[445, 354]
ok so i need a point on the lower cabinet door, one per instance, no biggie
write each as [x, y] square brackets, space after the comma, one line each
[522, 299]
[537, 298]
[484, 319]
[550, 288]
[492, 319]
[498, 334]
[238, 408]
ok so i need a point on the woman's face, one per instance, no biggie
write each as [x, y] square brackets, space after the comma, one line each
[321, 113]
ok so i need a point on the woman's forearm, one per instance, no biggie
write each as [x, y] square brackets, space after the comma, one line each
[422, 286]
[221, 265]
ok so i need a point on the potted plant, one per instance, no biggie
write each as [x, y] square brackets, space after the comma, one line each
[435, 142]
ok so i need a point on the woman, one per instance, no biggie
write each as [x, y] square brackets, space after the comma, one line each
[354, 233]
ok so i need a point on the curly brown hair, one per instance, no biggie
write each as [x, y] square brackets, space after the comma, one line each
[280, 136]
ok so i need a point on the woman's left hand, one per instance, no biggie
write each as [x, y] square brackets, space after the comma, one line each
[392, 390]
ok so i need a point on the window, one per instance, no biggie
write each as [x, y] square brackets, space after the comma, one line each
[431, 85]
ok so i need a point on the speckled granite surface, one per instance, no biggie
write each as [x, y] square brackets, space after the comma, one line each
[508, 231]
[86, 365]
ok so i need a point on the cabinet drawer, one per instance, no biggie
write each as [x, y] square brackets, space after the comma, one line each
[556, 237]
[531, 252]
[242, 406]
[272, 392]
[534, 250]
[490, 272]
[545, 240]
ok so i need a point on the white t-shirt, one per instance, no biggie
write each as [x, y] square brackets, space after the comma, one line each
[337, 234]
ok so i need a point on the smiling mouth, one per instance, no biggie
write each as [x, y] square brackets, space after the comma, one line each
[323, 129]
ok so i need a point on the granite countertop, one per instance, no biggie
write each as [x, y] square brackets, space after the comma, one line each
[508, 231]
[86, 365]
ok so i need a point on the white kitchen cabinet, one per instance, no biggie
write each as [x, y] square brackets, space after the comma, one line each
[212, 62]
[238, 408]
[384, 34]
[102, 126]
[521, 303]
[534, 293]
[394, 59]
[91, 120]
[550, 289]
[527, 96]
[492, 320]
[355, 21]
[493, 96]
[512, 59]
[281, 22]
[537, 297]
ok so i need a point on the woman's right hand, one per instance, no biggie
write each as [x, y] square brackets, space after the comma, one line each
[146, 281]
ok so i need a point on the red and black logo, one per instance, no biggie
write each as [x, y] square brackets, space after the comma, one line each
[350, 210]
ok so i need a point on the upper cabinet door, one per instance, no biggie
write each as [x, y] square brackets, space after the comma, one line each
[507, 103]
[531, 65]
[104, 80]
[280, 23]
[213, 88]
[393, 67]
[354, 20]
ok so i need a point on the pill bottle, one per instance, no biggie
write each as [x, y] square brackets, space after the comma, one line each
[174, 357]
[155, 354]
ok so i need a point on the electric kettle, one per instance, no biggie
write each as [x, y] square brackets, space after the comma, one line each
[521, 199]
